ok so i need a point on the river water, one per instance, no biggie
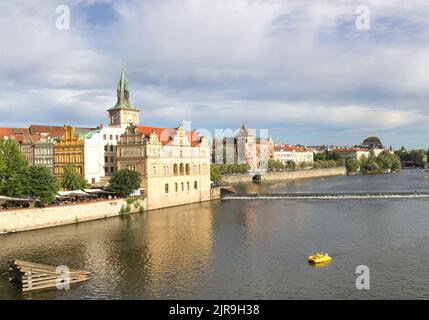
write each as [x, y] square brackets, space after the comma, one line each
[246, 249]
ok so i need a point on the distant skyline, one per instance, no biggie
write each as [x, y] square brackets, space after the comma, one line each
[298, 68]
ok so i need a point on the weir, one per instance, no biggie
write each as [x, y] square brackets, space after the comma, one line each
[328, 196]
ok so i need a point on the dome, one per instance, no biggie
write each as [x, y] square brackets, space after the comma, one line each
[372, 142]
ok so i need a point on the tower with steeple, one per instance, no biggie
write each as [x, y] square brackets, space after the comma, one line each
[123, 113]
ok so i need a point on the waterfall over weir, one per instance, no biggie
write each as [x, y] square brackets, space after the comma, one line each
[328, 196]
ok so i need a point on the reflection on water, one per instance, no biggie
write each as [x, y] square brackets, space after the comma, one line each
[245, 249]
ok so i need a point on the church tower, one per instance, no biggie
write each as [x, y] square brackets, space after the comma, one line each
[123, 113]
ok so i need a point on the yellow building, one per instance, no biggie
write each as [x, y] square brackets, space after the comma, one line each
[174, 164]
[70, 150]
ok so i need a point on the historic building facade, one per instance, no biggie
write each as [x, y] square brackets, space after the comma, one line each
[285, 153]
[44, 150]
[100, 152]
[174, 164]
[123, 113]
[70, 150]
[246, 148]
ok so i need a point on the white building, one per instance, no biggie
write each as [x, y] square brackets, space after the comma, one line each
[285, 153]
[100, 147]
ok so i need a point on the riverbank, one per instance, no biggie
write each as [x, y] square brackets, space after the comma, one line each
[17, 220]
[287, 175]
[26, 219]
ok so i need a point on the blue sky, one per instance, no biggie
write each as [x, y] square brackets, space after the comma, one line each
[298, 68]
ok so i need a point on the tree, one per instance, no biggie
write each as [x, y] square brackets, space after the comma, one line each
[41, 184]
[291, 165]
[125, 182]
[215, 175]
[71, 180]
[352, 165]
[12, 169]
[275, 165]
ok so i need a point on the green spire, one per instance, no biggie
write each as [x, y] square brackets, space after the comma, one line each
[123, 93]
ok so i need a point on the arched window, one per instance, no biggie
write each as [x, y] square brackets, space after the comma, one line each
[188, 169]
[196, 185]
[182, 169]
[175, 170]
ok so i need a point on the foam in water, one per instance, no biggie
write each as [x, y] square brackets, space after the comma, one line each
[329, 196]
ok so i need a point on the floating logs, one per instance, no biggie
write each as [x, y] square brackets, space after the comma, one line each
[32, 276]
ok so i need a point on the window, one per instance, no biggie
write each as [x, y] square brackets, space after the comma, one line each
[176, 187]
[112, 159]
[183, 186]
[175, 169]
[188, 169]
[154, 170]
[166, 188]
[106, 159]
[105, 148]
[111, 148]
[112, 169]
[188, 185]
[111, 137]
[182, 170]
[107, 169]
[195, 185]
[104, 136]
[117, 138]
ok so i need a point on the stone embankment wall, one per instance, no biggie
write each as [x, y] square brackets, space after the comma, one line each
[38, 218]
[288, 175]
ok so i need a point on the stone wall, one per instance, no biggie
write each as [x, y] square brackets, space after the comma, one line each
[215, 193]
[288, 175]
[38, 218]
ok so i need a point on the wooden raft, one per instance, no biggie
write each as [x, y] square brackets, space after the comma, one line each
[35, 276]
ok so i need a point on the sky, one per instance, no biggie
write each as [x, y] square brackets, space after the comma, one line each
[301, 69]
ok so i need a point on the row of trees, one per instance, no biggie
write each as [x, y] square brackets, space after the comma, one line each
[385, 161]
[20, 180]
[418, 155]
[216, 170]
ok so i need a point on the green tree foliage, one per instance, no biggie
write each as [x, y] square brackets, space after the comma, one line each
[12, 169]
[41, 184]
[19, 180]
[125, 182]
[215, 175]
[418, 155]
[290, 165]
[275, 165]
[231, 168]
[352, 165]
[71, 180]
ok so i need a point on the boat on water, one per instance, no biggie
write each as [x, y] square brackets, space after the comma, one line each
[320, 257]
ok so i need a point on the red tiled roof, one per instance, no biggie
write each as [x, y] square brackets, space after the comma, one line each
[53, 131]
[286, 147]
[348, 150]
[165, 135]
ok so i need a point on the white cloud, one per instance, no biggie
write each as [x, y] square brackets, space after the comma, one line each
[280, 61]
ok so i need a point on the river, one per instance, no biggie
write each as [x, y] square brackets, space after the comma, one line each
[246, 249]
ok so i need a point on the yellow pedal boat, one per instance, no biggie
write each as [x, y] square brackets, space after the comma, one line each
[319, 257]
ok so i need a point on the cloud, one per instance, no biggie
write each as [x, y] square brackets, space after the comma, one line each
[215, 62]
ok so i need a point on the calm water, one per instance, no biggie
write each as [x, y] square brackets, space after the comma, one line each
[246, 249]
